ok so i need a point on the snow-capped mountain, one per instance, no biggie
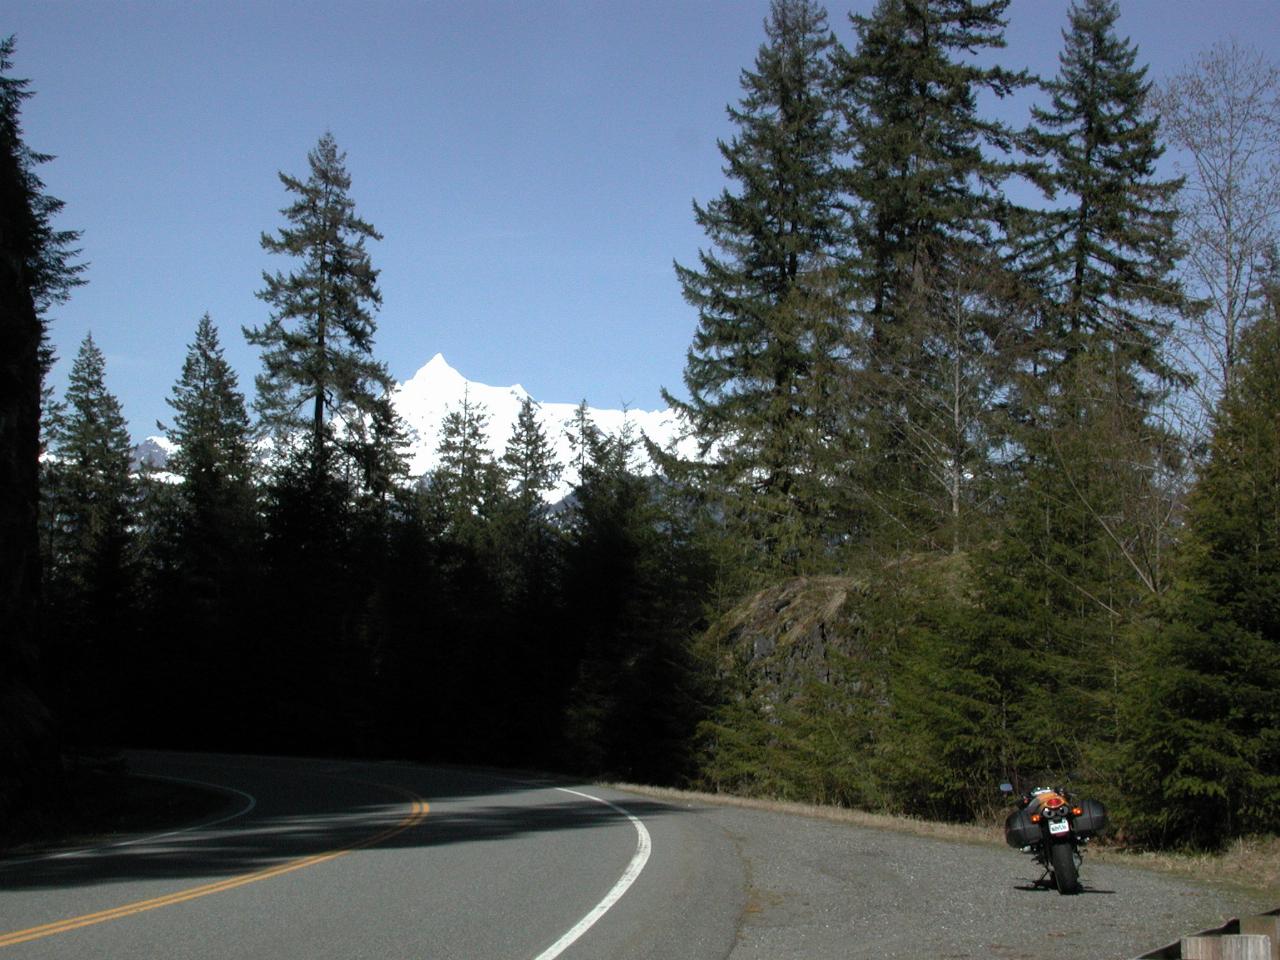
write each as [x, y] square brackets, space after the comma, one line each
[152, 453]
[437, 388]
[424, 399]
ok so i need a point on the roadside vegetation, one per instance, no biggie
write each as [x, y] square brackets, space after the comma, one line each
[988, 485]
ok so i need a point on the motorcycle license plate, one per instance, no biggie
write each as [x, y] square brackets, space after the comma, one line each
[1059, 826]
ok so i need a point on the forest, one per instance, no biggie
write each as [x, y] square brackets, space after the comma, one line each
[1017, 387]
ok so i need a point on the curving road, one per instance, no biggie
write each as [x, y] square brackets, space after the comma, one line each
[333, 859]
[346, 860]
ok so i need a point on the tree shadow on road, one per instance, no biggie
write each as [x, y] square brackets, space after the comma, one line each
[288, 810]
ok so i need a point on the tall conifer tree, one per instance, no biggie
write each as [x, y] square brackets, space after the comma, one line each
[1103, 258]
[204, 556]
[528, 553]
[322, 392]
[317, 348]
[1106, 251]
[37, 269]
[90, 497]
[925, 175]
[632, 602]
[1089, 520]
[214, 504]
[1200, 762]
[770, 301]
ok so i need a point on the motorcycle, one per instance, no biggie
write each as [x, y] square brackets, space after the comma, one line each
[1055, 828]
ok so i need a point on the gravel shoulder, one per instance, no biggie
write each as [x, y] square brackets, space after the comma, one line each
[819, 889]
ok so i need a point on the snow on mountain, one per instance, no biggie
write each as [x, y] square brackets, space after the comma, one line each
[436, 389]
[152, 453]
[424, 399]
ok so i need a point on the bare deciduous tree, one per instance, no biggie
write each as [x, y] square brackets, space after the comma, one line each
[1223, 115]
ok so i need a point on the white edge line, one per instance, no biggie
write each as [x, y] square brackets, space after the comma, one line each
[150, 838]
[644, 847]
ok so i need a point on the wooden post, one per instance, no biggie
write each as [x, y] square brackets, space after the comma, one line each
[1201, 948]
[1268, 925]
[1234, 947]
[1246, 946]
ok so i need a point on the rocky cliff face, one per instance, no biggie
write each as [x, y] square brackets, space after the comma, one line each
[804, 671]
[830, 629]
[786, 634]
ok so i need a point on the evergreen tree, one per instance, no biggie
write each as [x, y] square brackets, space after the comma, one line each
[205, 555]
[529, 462]
[633, 598]
[317, 352]
[93, 490]
[527, 537]
[1106, 251]
[527, 548]
[948, 736]
[465, 484]
[91, 496]
[376, 447]
[318, 345]
[1103, 260]
[925, 175]
[37, 269]
[582, 434]
[1201, 758]
[771, 305]
[1088, 523]
[44, 257]
[464, 497]
[210, 430]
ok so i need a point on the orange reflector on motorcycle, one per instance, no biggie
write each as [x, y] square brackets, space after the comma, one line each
[1035, 818]
[1077, 811]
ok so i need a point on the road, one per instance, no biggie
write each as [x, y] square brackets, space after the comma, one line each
[321, 859]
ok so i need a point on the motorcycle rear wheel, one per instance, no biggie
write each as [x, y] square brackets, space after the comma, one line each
[1063, 858]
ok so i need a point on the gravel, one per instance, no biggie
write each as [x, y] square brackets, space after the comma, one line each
[818, 889]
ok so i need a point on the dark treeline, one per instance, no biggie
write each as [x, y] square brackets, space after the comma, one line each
[309, 606]
[974, 408]
[285, 586]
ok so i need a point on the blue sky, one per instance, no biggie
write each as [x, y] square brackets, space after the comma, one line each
[531, 164]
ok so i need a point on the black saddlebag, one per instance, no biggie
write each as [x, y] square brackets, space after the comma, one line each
[1093, 819]
[1019, 831]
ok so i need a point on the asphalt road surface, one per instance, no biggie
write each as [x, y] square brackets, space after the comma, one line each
[322, 859]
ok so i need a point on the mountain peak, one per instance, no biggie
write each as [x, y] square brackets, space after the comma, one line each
[436, 368]
[437, 388]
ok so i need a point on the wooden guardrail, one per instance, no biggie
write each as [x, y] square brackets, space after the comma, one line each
[1248, 938]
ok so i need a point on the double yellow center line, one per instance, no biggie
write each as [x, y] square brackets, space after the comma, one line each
[417, 814]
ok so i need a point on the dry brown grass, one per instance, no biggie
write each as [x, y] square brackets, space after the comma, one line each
[1252, 863]
[961, 832]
